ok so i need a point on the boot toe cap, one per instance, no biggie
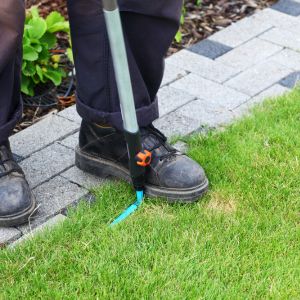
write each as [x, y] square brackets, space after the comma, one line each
[182, 173]
[15, 197]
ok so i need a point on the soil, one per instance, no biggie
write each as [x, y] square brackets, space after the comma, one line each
[200, 22]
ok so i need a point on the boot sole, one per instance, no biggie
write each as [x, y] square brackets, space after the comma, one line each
[19, 219]
[104, 168]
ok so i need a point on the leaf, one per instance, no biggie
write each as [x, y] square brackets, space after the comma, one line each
[39, 71]
[30, 69]
[36, 28]
[44, 55]
[53, 18]
[34, 12]
[59, 26]
[37, 47]
[49, 39]
[27, 86]
[29, 53]
[178, 37]
[54, 76]
[70, 55]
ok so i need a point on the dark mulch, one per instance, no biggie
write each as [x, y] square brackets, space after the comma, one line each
[214, 15]
[200, 22]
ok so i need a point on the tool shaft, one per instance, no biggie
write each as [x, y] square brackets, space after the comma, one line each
[119, 55]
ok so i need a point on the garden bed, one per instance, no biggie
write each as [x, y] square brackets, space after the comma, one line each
[200, 22]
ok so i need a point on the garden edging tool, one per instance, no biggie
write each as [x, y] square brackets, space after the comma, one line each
[138, 157]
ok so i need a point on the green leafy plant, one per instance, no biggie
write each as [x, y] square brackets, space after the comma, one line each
[178, 36]
[40, 65]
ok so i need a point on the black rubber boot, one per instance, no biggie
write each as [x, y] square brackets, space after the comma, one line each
[16, 200]
[102, 151]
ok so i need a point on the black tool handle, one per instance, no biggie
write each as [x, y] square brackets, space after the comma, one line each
[134, 147]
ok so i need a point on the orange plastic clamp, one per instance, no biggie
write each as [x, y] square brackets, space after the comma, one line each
[144, 158]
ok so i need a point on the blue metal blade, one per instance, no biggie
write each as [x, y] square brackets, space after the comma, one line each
[132, 208]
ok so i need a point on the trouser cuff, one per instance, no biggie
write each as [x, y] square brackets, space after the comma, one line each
[7, 128]
[145, 115]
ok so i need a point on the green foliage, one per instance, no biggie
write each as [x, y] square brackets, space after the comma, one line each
[39, 64]
[178, 36]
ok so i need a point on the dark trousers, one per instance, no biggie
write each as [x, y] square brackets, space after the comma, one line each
[149, 27]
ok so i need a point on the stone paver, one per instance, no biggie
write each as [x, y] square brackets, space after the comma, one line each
[206, 86]
[53, 197]
[47, 163]
[283, 38]
[71, 141]
[291, 80]
[207, 113]
[258, 78]
[176, 124]
[210, 49]
[171, 99]
[8, 235]
[71, 114]
[212, 92]
[289, 7]
[202, 66]
[250, 53]
[81, 178]
[172, 73]
[287, 58]
[41, 134]
[241, 32]
[273, 91]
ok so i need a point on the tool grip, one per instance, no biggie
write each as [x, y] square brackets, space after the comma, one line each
[134, 147]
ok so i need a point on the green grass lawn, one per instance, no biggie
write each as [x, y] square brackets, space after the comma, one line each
[241, 241]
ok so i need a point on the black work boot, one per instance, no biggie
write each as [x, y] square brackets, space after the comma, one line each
[102, 151]
[16, 200]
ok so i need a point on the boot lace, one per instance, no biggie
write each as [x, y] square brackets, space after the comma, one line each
[161, 142]
[5, 157]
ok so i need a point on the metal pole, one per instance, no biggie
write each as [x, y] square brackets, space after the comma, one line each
[117, 46]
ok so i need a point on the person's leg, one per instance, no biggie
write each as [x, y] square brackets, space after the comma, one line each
[149, 27]
[16, 200]
[11, 31]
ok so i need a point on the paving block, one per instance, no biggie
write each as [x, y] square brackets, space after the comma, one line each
[283, 38]
[171, 98]
[175, 124]
[210, 49]
[81, 178]
[71, 141]
[29, 233]
[258, 78]
[273, 91]
[288, 7]
[41, 134]
[8, 235]
[275, 19]
[207, 114]
[202, 66]
[71, 114]
[45, 164]
[240, 32]
[291, 80]
[250, 53]
[288, 58]
[172, 73]
[181, 146]
[54, 197]
[213, 93]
